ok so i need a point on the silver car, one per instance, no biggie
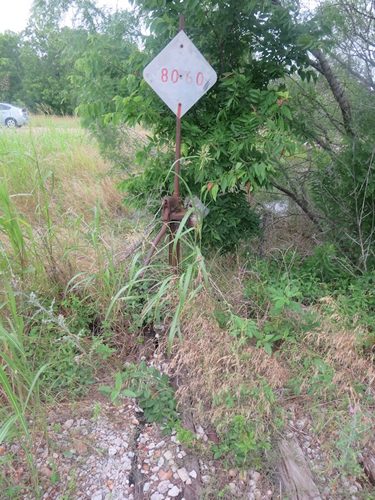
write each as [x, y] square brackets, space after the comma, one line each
[11, 116]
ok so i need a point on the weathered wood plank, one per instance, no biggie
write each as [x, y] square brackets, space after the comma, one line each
[368, 464]
[295, 473]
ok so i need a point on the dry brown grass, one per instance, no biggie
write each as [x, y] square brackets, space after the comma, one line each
[213, 364]
[67, 194]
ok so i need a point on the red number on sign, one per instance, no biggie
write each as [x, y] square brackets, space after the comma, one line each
[199, 79]
[164, 75]
[175, 76]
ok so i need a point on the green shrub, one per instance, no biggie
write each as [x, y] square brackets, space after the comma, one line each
[239, 443]
[230, 221]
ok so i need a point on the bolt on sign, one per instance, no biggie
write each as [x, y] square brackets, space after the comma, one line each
[179, 74]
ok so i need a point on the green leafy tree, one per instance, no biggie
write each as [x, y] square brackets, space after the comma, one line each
[234, 132]
[333, 180]
[11, 70]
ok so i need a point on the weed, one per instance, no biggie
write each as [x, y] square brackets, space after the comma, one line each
[96, 410]
[151, 388]
[239, 443]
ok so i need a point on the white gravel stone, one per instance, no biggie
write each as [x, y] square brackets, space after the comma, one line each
[164, 486]
[174, 492]
[255, 475]
[98, 495]
[156, 496]
[193, 474]
[183, 474]
[112, 451]
[168, 455]
[68, 423]
[146, 487]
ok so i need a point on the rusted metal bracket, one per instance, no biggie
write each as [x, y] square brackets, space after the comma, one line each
[172, 214]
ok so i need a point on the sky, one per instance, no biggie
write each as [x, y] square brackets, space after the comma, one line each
[14, 14]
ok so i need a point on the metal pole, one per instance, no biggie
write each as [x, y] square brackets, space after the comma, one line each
[175, 257]
[176, 192]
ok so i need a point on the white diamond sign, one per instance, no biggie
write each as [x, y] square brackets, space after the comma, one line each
[179, 74]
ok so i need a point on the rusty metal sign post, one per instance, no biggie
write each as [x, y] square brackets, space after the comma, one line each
[180, 75]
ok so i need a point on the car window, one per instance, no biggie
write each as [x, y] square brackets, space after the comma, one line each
[3, 107]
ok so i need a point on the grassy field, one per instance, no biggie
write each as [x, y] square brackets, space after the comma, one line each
[265, 342]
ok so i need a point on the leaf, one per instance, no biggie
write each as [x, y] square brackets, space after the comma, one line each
[214, 191]
[129, 393]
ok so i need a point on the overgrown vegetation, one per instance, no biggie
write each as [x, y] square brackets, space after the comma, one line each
[272, 312]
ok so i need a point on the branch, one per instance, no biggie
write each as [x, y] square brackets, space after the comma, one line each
[301, 203]
[336, 88]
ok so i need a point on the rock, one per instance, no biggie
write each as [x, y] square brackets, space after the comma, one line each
[165, 475]
[156, 496]
[67, 425]
[174, 492]
[168, 455]
[300, 424]
[112, 451]
[232, 473]
[46, 471]
[98, 495]
[127, 464]
[146, 487]
[257, 494]
[161, 462]
[233, 489]
[183, 474]
[193, 474]
[80, 447]
[205, 479]
[164, 486]
[255, 475]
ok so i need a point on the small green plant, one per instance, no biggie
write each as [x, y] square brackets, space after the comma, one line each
[348, 445]
[185, 436]
[96, 411]
[240, 443]
[151, 388]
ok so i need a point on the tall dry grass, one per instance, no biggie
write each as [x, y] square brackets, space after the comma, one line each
[65, 194]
